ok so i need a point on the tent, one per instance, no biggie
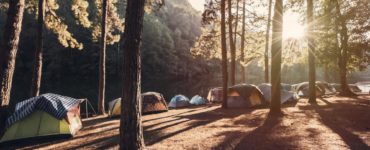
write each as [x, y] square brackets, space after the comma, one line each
[198, 100]
[152, 102]
[114, 107]
[364, 86]
[286, 96]
[286, 87]
[302, 89]
[44, 116]
[179, 101]
[353, 87]
[215, 95]
[327, 88]
[244, 96]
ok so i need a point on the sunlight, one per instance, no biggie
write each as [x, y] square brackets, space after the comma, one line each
[292, 27]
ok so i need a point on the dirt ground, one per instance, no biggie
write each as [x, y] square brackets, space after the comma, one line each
[335, 123]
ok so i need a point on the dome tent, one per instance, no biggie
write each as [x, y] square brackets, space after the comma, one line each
[198, 100]
[43, 117]
[302, 89]
[244, 96]
[215, 95]
[179, 101]
[152, 102]
[286, 96]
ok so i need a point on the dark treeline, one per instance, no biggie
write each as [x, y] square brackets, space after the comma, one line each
[168, 35]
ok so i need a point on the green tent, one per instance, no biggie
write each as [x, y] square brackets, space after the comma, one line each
[41, 124]
[43, 117]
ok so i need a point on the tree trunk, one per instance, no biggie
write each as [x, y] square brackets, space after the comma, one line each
[343, 51]
[8, 53]
[276, 48]
[242, 45]
[235, 36]
[311, 52]
[224, 54]
[101, 108]
[37, 70]
[232, 44]
[131, 131]
[267, 80]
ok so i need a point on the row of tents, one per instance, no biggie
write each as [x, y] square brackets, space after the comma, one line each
[52, 115]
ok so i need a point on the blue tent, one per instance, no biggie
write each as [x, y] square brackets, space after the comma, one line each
[179, 101]
[198, 100]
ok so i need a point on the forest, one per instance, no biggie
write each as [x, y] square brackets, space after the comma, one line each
[245, 71]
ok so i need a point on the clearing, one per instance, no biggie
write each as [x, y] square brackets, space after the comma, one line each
[335, 123]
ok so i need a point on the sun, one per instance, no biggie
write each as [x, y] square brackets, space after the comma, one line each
[292, 28]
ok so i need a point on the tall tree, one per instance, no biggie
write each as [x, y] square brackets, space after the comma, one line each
[131, 131]
[233, 67]
[103, 46]
[224, 54]
[8, 53]
[242, 48]
[277, 39]
[231, 42]
[266, 55]
[311, 52]
[342, 30]
[37, 71]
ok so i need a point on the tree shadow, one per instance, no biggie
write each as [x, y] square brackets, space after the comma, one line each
[344, 118]
[262, 137]
[192, 121]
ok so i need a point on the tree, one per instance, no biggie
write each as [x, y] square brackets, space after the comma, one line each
[37, 71]
[231, 42]
[277, 28]
[131, 131]
[101, 108]
[242, 44]
[311, 52]
[8, 53]
[267, 43]
[224, 53]
[342, 30]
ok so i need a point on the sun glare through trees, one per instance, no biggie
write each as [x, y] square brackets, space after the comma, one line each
[185, 74]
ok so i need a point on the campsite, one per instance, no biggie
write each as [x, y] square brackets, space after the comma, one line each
[185, 74]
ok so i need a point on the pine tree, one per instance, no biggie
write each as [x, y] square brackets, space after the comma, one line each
[224, 54]
[231, 42]
[103, 45]
[131, 131]
[242, 48]
[311, 52]
[277, 37]
[8, 53]
[37, 71]
[266, 56]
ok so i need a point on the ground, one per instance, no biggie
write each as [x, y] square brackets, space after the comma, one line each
[334, 123]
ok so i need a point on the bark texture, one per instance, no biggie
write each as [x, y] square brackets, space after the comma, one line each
[103, 45]
[277, 28]
[131, 131]
[224, 54]
[231, 43]
[8, 53]
[311, 52]
[242, 48]
[267, 78]
[37, 70]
